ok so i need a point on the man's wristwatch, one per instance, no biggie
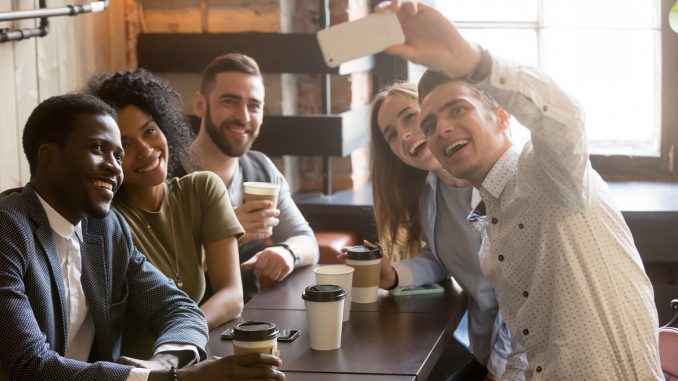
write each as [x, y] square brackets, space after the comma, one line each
[483, 69]
[287, 246]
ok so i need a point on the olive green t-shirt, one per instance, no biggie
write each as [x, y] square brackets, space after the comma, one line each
[195, 212]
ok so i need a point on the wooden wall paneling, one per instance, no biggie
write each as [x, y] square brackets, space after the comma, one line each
[86, 47]
[99, 42]
[25, 81]
[243, 16]
[48, 64]
[9, 165]
[176, 16]
[116, 35]
[66, 42]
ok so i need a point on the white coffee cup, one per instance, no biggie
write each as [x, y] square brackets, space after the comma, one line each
[253, 191]
[367, 264]
[341, 275]
[324, 311]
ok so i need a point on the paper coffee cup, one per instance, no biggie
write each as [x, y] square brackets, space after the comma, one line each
[367, 264]
[255, 337]
[253, 191]
[324, 311]
[340, 275]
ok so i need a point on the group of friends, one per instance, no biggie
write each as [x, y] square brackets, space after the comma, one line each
[102, 278]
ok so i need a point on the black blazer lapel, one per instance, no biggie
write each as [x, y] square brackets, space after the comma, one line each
[96, 285]
[45, 239]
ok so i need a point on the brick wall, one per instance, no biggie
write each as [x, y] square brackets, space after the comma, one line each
[348, 91]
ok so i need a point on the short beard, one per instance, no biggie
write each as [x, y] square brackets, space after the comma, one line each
[221, 141]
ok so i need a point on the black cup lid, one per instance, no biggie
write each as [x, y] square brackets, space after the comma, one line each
[255, 331]
[363, 253]
[323, 293]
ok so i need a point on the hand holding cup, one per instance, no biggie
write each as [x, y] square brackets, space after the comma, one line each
[387, 275]
[258, 214]
[239, 367]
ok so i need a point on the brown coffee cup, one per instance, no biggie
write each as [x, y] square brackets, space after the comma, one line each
[255, 337]
[367, 264]
[253, 191]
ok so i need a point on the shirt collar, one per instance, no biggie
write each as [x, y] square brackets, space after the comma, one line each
[501, 172]
[475, 198]
[59, 224]
[432, 179]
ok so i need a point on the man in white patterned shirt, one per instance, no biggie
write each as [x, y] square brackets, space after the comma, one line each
[569, 280]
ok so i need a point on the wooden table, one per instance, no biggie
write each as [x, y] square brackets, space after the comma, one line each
[396, 338]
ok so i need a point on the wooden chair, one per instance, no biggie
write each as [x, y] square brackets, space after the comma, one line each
[330, 244]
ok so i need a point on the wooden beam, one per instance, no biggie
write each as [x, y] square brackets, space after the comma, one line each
[311, 135]
[314, 135]
[275, 52]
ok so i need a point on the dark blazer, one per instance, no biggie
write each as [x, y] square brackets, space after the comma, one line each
[115, 276]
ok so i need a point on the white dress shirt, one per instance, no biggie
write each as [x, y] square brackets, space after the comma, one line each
[80, 328]
[569, 280]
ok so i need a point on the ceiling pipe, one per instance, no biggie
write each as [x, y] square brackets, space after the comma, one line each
[43, 13]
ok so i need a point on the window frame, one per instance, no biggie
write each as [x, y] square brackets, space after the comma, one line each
[610, 167]
[662, 168]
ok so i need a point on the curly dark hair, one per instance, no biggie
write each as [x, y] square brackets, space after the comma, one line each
[154, 96]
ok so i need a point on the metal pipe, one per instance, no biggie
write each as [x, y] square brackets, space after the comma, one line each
[326, 101]
[69, 10]
[20, 34]
[43, 13]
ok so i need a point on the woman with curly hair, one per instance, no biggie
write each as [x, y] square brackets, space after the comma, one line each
[415, 199]
[182, 224]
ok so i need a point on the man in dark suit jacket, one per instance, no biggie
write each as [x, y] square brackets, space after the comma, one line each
[69, 269]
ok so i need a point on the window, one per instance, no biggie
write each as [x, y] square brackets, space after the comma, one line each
[607, 54]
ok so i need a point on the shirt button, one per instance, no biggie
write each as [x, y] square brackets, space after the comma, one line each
[520, 226]
[502, 81]
[525, 294]
[545, 108]
[538, 369]
[494, 220]
[526, 332]
[500, 257]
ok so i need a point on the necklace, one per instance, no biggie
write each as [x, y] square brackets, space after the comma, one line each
[177, 273]
[178, 280]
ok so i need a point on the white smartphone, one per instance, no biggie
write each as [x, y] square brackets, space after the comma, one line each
[350, 40]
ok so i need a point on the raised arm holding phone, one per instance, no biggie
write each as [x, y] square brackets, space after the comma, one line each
[569, 280]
